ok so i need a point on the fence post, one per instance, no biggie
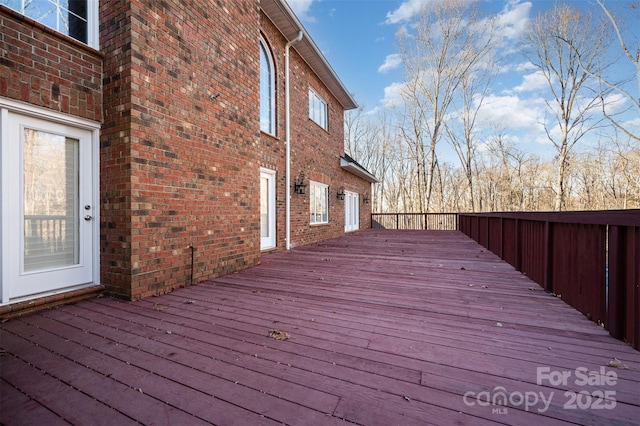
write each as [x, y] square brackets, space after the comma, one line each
[548, 260]
[616, 287]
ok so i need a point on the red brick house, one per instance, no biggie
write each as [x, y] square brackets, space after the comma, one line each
[147, 145]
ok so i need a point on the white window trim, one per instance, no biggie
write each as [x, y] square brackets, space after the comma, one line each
[325, 187]
[93, 33]
[313, 95]
[93, 36]
[272, 84]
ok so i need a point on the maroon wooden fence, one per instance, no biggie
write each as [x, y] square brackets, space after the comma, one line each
[590, 259]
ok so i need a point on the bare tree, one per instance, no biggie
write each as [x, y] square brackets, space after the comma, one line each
[473, 88]
[436, 59]
[565, 45]
[619, 86]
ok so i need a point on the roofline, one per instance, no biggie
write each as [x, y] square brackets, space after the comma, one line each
[351, 165]
[280, 13]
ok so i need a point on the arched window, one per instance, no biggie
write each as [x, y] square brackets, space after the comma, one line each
[267, 90]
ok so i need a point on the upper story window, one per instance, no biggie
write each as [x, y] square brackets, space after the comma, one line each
[75, 18]
[267, 90]
[317, 109]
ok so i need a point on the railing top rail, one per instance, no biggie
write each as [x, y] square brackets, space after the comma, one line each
[629, 217]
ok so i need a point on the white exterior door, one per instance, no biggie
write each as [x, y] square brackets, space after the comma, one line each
[351, 212]
[267, 209]
[48, 212]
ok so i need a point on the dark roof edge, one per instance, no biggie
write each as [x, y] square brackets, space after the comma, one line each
[351, 165]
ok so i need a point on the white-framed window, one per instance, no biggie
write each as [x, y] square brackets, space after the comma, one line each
[317, 109]
[267, 90]
[76, 18]
[318, 203]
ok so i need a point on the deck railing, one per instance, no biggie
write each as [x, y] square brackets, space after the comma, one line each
[415, 221]
[590, 259]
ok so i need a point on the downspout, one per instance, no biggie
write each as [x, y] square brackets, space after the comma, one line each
[287, 141]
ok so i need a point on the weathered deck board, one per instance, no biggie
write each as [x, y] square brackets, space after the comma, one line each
[386, 327]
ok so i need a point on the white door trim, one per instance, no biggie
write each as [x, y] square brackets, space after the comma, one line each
[351, 211]
[8, 173]
[270, 241]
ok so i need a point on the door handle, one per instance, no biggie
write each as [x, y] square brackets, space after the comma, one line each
[88, 217]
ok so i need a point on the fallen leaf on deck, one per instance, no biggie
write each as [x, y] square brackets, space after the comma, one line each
[462, 268]
[616, 363]
[406, 398]
[484, 286]
[278, 335]
[190, 302]
[159, 307]
[498, 324]
[471, 285]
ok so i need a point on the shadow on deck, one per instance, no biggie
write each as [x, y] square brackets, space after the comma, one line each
[386, 327]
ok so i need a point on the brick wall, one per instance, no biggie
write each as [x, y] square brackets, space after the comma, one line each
[177, 90]
[313, 149]
[178, 167]
[48, 69]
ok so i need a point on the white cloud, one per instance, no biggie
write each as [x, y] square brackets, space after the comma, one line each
[525, 66]
[532, 82]
[407, 10]
[513, 20]
[301, 9]
[391, 62]
[515, 113]
[392, 98]
[616, 103]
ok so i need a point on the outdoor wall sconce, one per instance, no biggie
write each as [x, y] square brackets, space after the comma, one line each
[366, 198]
[299, 185]
[341, 193]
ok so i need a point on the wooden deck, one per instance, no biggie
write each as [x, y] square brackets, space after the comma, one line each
[386, 328]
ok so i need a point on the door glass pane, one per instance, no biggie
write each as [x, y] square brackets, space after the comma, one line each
[51, 222]
[264, 207]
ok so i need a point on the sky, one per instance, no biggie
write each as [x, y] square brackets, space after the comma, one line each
[358, 38]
